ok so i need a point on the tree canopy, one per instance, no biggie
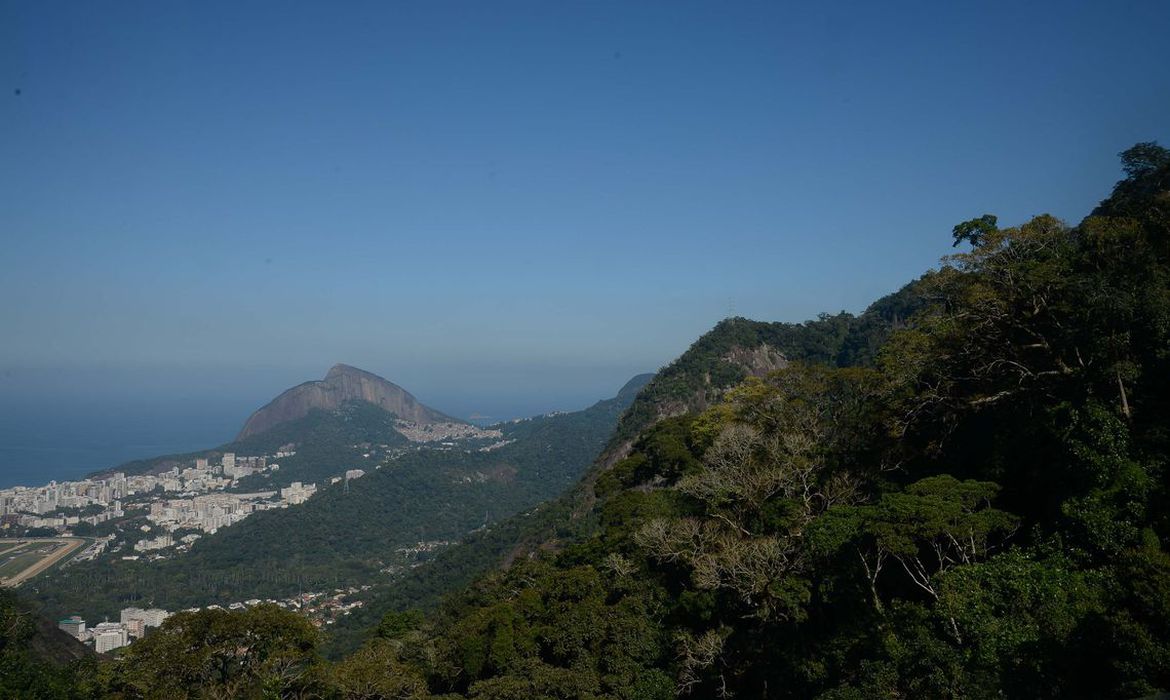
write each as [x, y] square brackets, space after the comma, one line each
[961, 493]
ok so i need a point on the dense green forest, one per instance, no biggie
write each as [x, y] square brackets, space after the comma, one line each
[960, 494]
[974, 509]
[350, 536]
[37, 659]
[731, 352]
[722, 358]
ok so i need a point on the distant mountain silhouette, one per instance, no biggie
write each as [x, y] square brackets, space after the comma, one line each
[343, 383]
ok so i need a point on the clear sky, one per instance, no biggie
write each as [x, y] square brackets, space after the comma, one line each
[496, 199]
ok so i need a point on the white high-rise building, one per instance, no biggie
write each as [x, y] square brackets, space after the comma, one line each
[135, 627]
[131, 614]
[153, 617]
[108, 636]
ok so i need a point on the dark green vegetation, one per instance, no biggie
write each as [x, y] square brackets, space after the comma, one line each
[738, 348]
[963, 497]
[36, 659]
[978, 509]
[735, 349]
[346, 537]
[327, 443]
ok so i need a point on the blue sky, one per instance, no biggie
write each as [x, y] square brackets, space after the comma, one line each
[492, 200]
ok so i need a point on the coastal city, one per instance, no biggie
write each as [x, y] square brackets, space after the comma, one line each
[177, 506]
[152, 516]
[162, 513]
[200, 496]
[192, 499]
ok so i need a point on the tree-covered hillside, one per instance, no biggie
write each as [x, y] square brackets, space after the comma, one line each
[350, 535]
[734, 349]
[964, 496]
[738, 348]
[979, 513]
[37, 660]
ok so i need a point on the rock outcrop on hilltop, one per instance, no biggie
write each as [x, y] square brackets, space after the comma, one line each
[342, 383]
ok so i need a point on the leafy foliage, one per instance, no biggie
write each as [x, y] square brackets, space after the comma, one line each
[960, 493]
[217, 653]
[37, 660]
[970, 509]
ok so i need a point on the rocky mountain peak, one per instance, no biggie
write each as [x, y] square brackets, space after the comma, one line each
[342, 383]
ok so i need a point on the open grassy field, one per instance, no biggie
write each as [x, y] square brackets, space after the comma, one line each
[16, 562]
[20, 560]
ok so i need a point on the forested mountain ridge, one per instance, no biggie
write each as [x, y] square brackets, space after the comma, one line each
[976, 511]
[34, 654]
[736, 348]
[975, 506]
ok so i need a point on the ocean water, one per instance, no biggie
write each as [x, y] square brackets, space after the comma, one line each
[44, 442]
[61, 425]
[64, 441]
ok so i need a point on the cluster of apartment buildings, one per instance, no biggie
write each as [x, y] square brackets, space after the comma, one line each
[197, 496]
[107, 636]
[322, 608]
[208, 512]
[213, 511]
[30, 503]
[187, 496]
[296, 493]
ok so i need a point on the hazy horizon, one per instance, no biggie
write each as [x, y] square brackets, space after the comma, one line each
[63, 424]
[506, 209]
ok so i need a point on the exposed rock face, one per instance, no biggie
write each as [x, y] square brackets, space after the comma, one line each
[343, 383]
[756, 360]
[759, 361]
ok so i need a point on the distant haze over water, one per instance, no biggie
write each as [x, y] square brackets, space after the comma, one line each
[40, 442]
[63, 424]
